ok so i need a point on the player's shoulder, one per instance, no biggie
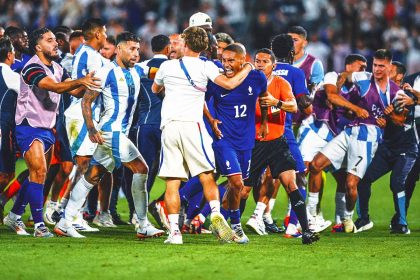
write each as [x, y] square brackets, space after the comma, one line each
[105, 70]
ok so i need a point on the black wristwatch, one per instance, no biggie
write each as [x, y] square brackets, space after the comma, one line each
[279, 104]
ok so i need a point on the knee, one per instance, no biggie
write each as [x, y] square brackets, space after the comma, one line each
[315, 167]
[67, 168]
[39, 175]
[245, 193]
[93, 175]
[236, 184]
[351, 184]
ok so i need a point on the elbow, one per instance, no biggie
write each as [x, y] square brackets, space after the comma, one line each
[294, 108]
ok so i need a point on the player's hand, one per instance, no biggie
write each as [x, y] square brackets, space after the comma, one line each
[90, 81]
[263, 131]
[95, 136]
[407, 87]
[215, 127]
[389, 109]
[268, 100]
[361, 113]
[381, 122]
[404, 100]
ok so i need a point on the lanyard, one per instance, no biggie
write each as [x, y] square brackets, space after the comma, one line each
[203, 89]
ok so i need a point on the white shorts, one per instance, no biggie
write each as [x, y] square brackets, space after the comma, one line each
[186, 150]
[354, 146]
[80, 144]
[312, 141]
[116, 149]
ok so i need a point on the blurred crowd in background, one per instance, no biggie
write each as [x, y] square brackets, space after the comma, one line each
[335, 27]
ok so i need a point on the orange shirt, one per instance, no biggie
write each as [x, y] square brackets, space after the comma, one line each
[281, 90]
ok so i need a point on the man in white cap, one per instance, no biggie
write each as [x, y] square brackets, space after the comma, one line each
[204, 21]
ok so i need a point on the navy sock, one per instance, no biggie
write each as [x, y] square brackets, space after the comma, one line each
[235, 216]
[298, 205]
[21, 199]
[36, 201]
[293, 218]
[194, 206]
[191, 188]
[242, 205]
[364, 192]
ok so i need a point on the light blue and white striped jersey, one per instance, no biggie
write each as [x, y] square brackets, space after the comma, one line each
[119, 90]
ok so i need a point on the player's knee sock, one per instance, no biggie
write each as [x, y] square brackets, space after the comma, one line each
[242, 205]
[313, 199]
[293, 218]
[340, 206]
[36, 199]
[298, 206]
[194, 206]
[206, 210]
[399, 203]
[139, 192]
[259, 210]
[191, 188]
[173, 222]
[77, 199]
[224, 212]
[235, 217]
[21, 199]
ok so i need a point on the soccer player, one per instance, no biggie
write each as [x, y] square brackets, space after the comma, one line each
[397, 72]
[186, 145]
[20, 42]
[87, 59]
[108, 50]
[223, 40]
[120, 86]
[357, 144]
[321, 127]
[9, 89]
[234, 127]
[177, 46]
[42, 82]
[273, 152]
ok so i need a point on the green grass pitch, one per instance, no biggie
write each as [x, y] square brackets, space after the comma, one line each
[116, 254]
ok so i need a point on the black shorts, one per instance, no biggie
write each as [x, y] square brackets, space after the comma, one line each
[7, 147]
[274, 154]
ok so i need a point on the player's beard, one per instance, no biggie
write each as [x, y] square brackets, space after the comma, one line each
[51, 57]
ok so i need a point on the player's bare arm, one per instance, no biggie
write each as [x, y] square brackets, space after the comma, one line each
[213, 122]
[87, 100]
[288, 105]
[89, 81]
[157, 88]
[233, 82]
[335, 98]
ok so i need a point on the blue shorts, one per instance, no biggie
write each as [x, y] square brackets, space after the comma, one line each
[7, 148]
[231, 161]
[26, 135]
[294, 149]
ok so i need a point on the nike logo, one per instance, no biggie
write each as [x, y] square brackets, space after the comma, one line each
[223, 95]
[62, 230]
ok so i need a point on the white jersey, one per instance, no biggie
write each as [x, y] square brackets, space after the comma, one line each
[182, 101]
[86, 59]
[119, 90]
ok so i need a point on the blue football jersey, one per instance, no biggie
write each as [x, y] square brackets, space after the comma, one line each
[297, 81]
[236, 110]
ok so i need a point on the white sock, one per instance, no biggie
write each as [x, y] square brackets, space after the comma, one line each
[259, 209]
[77, 198]
[340, 206]
[139, 192]
[214, 206]
[202, 218]
[268, 218]
[348, 214]
[313, 199]
[13, 216]
[173, 222]
[271, 203]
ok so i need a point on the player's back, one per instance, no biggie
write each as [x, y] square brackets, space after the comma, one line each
[9, 88]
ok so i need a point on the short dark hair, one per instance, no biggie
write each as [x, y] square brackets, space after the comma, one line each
[111, 39]
[235, 48]
[401, 69]
[35, 36]
[224, 37]
[354, 57]
[90, 26]
[383, 54]
[61, 36]
[62, 29]
[127, 37]
[298, 30]
[267, 51]
[13, 31]
[5, 48]
[282, 46]
[159, 42]
[75, 34]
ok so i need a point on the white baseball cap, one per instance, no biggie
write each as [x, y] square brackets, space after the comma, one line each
[200, 19]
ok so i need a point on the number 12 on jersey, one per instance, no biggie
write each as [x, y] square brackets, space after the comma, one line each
[240, 111]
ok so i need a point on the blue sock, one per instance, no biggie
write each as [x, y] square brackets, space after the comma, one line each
[36, 201]
[207, 210]
[190, 189]
[194, 205]
[21, 199]
[224, 212]
[235, 216]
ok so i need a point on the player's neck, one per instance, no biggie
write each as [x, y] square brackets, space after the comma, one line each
[298, 56]
[120, 63]
[382, 82]
[191, 53]
[44, 59]
[93, 44]
[269, 78]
